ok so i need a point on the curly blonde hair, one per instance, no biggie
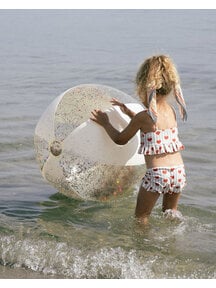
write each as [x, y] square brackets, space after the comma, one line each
[157, 73]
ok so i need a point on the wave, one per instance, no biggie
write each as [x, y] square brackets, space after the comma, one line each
[60, 259]
[178, 249]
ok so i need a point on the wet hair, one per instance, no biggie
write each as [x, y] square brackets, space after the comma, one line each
[156, 73]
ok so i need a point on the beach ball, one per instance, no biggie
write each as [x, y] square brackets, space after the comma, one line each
[76, 155]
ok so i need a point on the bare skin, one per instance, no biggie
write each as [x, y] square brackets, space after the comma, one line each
[142, 121]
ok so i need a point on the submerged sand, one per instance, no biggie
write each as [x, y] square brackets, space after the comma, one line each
[21, 273]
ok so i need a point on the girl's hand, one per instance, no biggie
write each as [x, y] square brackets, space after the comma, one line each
[100, 117]
[122, 106]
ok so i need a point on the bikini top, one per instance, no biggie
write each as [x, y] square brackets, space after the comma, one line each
[160, 141]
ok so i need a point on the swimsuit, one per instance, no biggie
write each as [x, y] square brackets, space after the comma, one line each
[165, 179]
[160, 141]
[162, 179]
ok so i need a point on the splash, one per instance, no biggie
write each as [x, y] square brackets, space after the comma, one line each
[53, 258]
[58, 259]
[173, 215]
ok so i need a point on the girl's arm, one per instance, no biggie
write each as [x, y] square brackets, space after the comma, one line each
[120, 138]
[123, 108]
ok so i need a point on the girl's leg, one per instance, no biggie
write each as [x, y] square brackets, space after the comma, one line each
[170, 201]
[145, 203]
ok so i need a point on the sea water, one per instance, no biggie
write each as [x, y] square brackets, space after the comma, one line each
[44, 234]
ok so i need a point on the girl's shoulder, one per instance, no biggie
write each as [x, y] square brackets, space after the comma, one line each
[145, 121]
[143, 115]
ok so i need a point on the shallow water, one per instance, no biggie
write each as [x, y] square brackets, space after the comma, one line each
[76, 239]
[46, 234]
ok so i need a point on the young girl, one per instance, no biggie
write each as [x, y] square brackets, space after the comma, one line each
[156, 79]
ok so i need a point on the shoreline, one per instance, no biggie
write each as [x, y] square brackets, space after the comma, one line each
[22, 273]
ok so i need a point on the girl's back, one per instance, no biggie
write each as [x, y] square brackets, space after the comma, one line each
[157, 134]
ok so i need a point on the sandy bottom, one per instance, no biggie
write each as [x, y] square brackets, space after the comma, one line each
[21, 273]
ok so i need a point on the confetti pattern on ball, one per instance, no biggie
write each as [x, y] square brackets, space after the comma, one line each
[74, 174]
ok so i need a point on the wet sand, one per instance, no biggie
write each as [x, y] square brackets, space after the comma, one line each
[21, 273]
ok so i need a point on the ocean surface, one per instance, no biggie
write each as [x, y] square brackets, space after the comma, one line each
[44, 234]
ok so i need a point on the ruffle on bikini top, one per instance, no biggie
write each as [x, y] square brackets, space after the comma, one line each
[160, 142]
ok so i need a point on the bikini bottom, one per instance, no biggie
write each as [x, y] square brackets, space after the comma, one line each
[165, 179]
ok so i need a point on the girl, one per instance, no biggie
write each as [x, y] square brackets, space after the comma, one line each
[156, 79]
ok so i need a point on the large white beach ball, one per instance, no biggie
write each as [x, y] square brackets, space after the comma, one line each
[75, 154]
